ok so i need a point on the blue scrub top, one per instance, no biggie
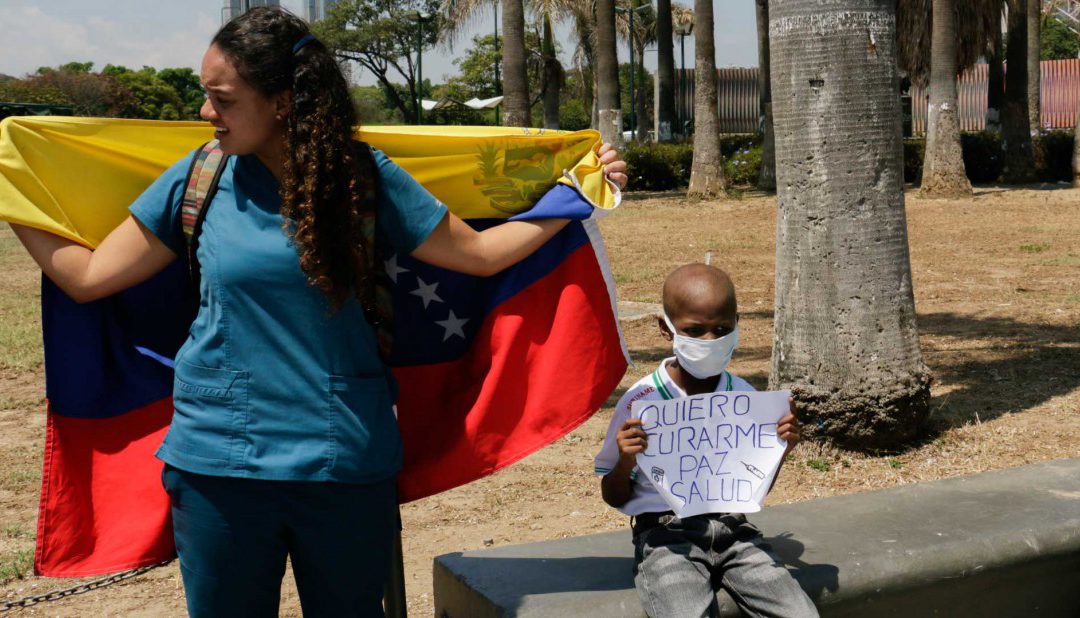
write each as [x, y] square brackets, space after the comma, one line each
[271, 382]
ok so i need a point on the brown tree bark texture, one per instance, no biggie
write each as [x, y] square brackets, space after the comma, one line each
[995, 84]
[1076, 151]
[845, 338]
[943, 162]
[665, 72]
[1015, 127]
[515, 79]
[707, 177]
[1034, 27]
[767, 171]
[553, 78]
[609, 109]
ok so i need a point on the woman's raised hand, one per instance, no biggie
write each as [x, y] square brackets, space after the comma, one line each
[614, 166]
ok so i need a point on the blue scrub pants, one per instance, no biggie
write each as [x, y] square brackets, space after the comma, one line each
[233, 536]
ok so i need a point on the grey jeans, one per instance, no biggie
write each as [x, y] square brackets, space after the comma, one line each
[678, 563]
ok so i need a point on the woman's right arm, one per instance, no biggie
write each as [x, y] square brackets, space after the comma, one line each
[129, 255]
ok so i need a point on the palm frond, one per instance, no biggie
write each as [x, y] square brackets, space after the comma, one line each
[975, 20]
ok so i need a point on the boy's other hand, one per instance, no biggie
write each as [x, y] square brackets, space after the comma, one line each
[788, 428]
[631, 440]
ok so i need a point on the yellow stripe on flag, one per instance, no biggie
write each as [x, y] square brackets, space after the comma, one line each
[76, 176]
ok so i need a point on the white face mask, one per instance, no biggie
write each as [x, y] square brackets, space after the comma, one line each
[703, 358]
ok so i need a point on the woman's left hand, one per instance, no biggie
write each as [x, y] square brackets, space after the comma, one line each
[614, 166]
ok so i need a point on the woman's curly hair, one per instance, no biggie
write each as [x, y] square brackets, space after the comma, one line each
[322, 190]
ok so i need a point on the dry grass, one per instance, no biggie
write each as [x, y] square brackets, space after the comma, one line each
[998, 295]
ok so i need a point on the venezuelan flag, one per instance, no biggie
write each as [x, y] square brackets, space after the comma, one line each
[507, 363]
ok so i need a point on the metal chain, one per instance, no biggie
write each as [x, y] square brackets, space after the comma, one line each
[56, 595]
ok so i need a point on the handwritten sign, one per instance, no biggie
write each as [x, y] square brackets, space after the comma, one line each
[713, 453]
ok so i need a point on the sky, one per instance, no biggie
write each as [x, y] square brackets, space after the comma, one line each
[174, 33]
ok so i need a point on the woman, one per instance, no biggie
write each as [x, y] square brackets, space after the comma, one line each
[283, 441]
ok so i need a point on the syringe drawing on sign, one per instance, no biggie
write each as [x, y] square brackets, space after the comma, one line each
[753, 470]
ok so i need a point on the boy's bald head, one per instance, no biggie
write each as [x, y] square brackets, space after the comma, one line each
[699, 288]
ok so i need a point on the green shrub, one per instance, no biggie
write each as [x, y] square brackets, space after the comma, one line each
[914, 151]
[743, 165]
[573, 116]
[984, 159]
[1053, 156]
[656, 167]
[731, 144]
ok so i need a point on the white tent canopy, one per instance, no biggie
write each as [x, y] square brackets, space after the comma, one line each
[491, 103]
[443, 103]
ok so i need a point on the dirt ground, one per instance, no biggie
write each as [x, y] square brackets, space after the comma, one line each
[997, 286]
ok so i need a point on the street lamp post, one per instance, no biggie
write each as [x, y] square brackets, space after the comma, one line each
[420, 18]
[683, 30]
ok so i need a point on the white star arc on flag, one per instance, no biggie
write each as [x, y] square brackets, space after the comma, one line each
[392, 268]
[426, 291]
[453, 326]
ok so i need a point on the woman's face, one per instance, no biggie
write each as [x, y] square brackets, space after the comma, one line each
[245, 120]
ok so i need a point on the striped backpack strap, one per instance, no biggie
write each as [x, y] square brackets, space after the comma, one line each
[381, 312]
[202, 183]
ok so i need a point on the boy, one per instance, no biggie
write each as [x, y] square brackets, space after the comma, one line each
[676, 560]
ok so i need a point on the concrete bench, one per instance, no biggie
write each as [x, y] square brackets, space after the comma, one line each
[995, 544]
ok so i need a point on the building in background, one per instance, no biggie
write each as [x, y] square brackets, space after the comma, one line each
[315, 10]
[233, 8]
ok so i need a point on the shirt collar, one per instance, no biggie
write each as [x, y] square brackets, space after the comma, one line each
[670, 390]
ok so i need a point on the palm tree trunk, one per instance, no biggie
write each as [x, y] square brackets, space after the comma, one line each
[1034, 16]
[767, 172]
[1015, 127]
[553, 78]
[995, 84]
[665, 72]
[845, 339]
[594, 117]
[1076, 151]
[609, 109]
[515, 80]
[943, 163]
[641, 104]
[707, 170]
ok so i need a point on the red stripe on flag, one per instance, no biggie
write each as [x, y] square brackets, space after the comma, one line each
[102, 505]
[542, 363]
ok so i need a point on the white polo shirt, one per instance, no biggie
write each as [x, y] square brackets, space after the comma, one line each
[656, 386]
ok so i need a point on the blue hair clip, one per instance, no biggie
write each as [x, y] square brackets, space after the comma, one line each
[307, 38]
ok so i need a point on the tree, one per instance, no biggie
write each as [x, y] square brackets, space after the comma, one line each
[665, 72]
[381, 36]
[1034, 72]
[644, 86]
[188, 87]
[707, 170]
[515, 78]
[995, 81]
[1058, 42]
[152, 98]
[548, 12]
[476, 68]
[1015, 128]
[1076, 151]
[845, 339]
[978, 35]
[371, 109]
[767, 172]
[643, 34]
[943, 163]
[607, 74]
